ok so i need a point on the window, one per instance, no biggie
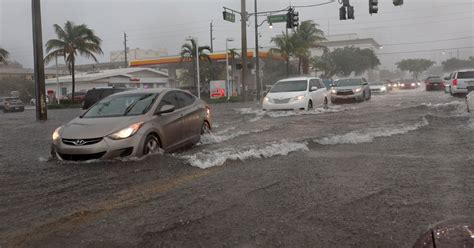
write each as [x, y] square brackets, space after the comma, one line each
[465, 74]
[169, 99]
[314, 83]
[184, 99]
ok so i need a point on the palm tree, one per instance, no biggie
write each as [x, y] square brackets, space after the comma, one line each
[73, 40]
[188, 52]
[306, 37]
[285, 47]
[3, 55]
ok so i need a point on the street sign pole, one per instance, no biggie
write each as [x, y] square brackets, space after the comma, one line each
[41, 111]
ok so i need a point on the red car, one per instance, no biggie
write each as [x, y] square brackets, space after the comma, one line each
[434, 83]
[78, 96]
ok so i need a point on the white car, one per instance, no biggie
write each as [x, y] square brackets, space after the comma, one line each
[302, 93]
[470, 102]
[378, 87]
[462, 82]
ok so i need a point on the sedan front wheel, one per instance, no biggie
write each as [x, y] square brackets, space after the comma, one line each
[152, 145]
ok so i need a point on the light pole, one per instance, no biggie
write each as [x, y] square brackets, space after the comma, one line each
[227, 66]
[197, 64]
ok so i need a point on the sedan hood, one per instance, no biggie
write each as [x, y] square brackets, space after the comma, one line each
[90, 128]
[342, 88]
[285, 95]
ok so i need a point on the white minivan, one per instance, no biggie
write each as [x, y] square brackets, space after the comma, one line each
[301, 93]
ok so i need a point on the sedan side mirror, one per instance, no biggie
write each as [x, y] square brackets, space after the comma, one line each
[314, 88]
[165, 109]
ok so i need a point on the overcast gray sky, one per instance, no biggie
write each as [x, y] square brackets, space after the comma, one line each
[153, 24]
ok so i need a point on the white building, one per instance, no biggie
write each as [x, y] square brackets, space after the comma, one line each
[137, 53]
[137, 77]
[350, 40]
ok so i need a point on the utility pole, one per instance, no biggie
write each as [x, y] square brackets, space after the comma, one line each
[212, 38]
[125, 50]
[243, 16]
[257, 58]
[41, 110]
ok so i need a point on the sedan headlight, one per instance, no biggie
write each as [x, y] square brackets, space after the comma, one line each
[383, 88]
[298, 98]
[126, 132]
[266, 99]
[334, 91]
[419, 83]
[413, 84]
[403, 85]
[56, 135]
[357, 90]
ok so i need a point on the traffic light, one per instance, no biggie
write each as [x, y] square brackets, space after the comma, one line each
[350, 12]
[397, 2]
[373, 6]
[292, 18]
[289, 18]
[296, 19]
[342, 13]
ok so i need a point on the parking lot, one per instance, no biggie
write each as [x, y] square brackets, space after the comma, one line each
[372, 174]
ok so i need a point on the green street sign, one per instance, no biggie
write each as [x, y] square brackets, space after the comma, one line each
[276, 18]
[230, 17]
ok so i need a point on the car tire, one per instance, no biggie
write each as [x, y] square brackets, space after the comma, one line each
[370, 96]
[205, 128]
[152, 145]
[325, 103]
[310, 105]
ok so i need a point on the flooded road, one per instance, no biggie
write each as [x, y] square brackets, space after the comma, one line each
[374, 174]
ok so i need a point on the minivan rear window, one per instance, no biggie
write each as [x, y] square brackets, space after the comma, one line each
[465, 74]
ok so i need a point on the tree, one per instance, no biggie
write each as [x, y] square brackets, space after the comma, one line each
[73, 40]
[285, 48]
[457, 64]
[188, 53]
[345, 61]
[306, 37]
[415, 66]
[3, 55]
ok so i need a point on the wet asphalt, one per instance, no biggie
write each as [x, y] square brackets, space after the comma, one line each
[395, 166]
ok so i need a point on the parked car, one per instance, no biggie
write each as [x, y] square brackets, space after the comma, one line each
[94, 95]
[462, 82]
[78, 96]
[434, 83]
[470, 102]
[301, 93]
[12, 104]
[378, 87]
[408, 84]
[350, 89]
[133, 123]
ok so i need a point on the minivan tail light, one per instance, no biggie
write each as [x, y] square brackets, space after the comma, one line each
[455, 82]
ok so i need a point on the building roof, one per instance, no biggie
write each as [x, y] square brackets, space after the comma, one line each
[93, 76]
[213, 56]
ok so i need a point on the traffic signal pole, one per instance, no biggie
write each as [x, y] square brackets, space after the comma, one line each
[41, 110]
[245, 67]
[257, 58]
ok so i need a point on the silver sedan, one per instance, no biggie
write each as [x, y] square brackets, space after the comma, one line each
[133, 124]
